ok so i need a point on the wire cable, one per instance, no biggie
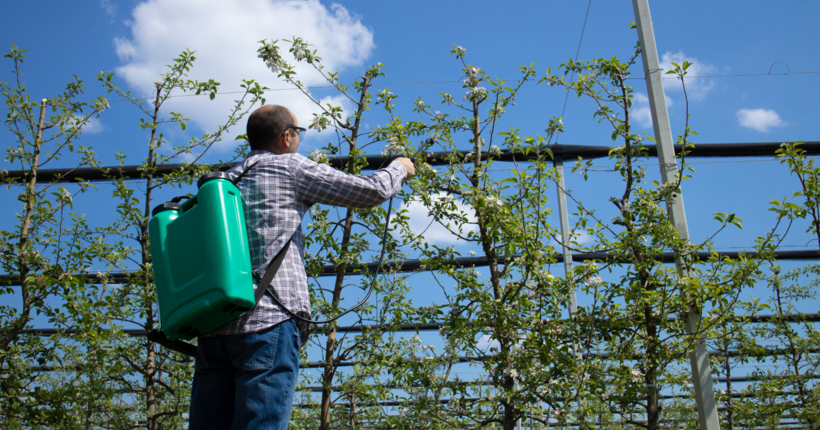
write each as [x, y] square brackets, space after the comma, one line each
[577, 52]
[458, 81]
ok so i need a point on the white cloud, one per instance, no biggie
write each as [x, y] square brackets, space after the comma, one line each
[435, 232]
[759, 119]
[225, 35]
[579, 236]
[485, 342]
[640, 109]
[90, 126]
[93, 126]
[108, 7]
[696, 88]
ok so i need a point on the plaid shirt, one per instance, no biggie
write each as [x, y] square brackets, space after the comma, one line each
[277, 192]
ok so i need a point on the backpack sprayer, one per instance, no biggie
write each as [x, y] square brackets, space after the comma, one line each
[202, 265]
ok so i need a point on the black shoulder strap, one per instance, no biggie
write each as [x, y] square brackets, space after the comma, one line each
[175, 345]
[270, 272]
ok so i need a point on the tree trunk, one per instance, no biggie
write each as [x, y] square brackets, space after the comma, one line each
[330, 345]
[150, 366]
[11, 333]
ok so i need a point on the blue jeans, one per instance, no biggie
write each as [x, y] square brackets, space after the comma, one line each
[246, 381]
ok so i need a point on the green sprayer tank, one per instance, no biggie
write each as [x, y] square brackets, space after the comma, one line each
[202, 266]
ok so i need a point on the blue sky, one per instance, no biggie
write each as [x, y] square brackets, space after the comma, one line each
[135, 39]
[413, 40]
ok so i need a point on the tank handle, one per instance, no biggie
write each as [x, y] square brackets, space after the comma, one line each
[190, 203]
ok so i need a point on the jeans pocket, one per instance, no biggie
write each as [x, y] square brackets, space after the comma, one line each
[256, 350]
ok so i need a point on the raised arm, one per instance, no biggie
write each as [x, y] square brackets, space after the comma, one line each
[320, 183]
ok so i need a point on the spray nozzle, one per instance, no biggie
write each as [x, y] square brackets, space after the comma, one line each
[427, 144]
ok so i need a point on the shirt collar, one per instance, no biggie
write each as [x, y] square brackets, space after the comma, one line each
[259, 152]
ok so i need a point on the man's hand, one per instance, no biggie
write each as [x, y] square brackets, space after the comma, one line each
[408, 165]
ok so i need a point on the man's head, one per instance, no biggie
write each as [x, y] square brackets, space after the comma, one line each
[271, 127]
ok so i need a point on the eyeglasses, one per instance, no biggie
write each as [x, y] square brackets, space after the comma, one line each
[300, 130]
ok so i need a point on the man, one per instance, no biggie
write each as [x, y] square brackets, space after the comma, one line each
[245, 372]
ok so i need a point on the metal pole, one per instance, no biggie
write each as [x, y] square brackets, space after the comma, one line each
[699, 358]
[563, 215]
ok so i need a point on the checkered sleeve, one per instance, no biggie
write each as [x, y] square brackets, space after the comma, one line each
[320, 183]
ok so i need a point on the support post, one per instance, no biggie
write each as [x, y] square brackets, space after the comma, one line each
[566, 234]
[563, 215]
[699, 358]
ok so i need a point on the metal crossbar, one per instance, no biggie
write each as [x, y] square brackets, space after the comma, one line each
[132, 172]
[463, 262]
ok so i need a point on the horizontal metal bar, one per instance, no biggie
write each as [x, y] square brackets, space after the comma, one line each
[107, 173]
[384, 403]
[814, 317]
[335, 388]
[136, 332]
[603, 356]
[445, 401]
[417, 265]
[471, 359]
[763, 378]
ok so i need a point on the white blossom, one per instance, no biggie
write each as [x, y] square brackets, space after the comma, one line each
[273, 66]
[318, 156]
[637, 375]
[472, 253]
[13, 154]
[592, 280]
[393, 147]
[495, 201]
[512, 373]
[270, 53]
[299, 53]
[478, 91]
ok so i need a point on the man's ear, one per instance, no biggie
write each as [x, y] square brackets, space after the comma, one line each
[281, 144]
[285, 141]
